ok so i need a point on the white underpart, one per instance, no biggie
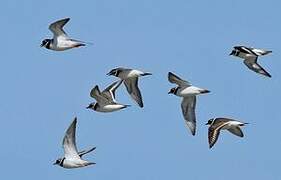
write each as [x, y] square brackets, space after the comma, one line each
[187, 91]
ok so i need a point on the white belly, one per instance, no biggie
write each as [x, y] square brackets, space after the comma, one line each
[63, 45]
[69, 164]
[110, 108]
[192, 90]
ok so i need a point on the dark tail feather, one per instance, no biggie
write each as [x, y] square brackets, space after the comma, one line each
[204, 91]
[125, 106]
[91, 163]
[146, 74]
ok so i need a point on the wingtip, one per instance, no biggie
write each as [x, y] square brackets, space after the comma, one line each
[75, 119]
[170, 73]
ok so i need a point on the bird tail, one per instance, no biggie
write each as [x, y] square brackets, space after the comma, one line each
[244, 123]
[91, 163]
[83, 43]
[267, 52]
[146, 74]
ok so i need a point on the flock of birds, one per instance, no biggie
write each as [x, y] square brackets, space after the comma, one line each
[106, 102]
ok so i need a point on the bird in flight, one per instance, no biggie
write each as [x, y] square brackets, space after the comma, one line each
[106, 99]
[72, 158]
[250, 56]
[188, 94]
[130, 78]
[218, 124]
[61, 41]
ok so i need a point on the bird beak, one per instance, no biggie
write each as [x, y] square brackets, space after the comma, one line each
[109, 74]
[54, 163]
[88, 107]
[41, 45]
[206, 124]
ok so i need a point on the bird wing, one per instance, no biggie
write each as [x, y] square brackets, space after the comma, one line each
[177, 80]
[259, 52]
[133, 89]
[82, 153]
[214, 131]
[236, 131]
[251, 63]
[96, 94]
[109, 92]
[69, 142]
[57, 27]
[188, 110]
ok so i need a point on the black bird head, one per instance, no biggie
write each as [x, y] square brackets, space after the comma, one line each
[114, 72]
[58, 162]
[91, 106]
[46, 43]
[232, 52]
[173, 90]
[210, 121]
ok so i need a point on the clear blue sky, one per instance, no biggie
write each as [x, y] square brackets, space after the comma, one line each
[42, 90]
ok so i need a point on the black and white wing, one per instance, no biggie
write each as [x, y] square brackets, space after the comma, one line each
[260, 52]
[96, 94]
[57, 27]
[188, 110]
[251, 63]
[69, 142]
[214, 131]
[177, 80]
[109, 92]
[133, 89]
[82, 153]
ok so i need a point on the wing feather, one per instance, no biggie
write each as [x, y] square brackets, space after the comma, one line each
[69, 142]
[252, 64]
[57, 27]
[133, 89]
[177, 80]
[188, 110]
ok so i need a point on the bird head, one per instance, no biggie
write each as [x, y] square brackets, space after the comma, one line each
[91, 106]
[210, 121]
[173, 90]
[58, 162]
[45, 43]
[114, 72]
[233, 52]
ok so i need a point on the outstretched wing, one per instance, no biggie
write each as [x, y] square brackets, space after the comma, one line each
[96, 94]
[236, 131]
[133, 89]
[177, 80]
[214, 131]
[251, 63]
[69, 142]
[109, 92]
[259, 52]
[188, 110]
[57, 27]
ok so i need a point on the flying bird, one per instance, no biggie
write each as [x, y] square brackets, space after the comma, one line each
[72, 158]
[61, 41]
[218, 124]
[106, 99]
[250, 56]
[188, 104]
[130, 78]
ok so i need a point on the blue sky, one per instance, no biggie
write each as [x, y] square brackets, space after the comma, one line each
[42, 91]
